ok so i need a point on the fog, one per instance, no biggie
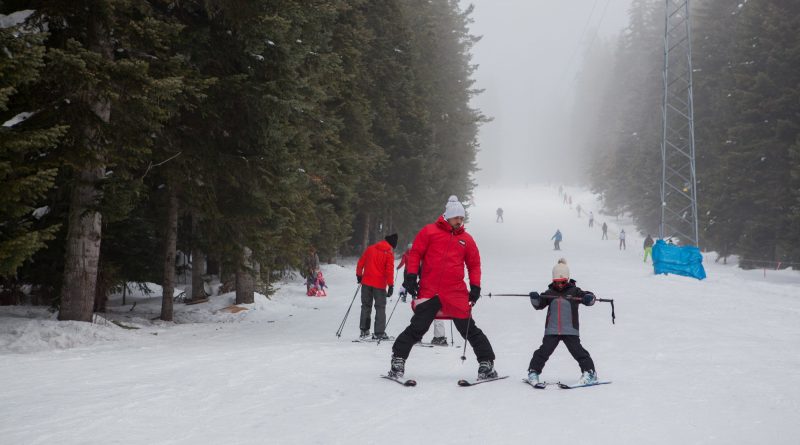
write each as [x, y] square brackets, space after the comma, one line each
[528, 58]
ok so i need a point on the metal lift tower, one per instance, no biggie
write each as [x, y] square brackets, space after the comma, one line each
[678, 181]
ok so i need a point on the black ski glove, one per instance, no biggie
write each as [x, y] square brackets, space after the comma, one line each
[588, 298]
[390, 291]
[358, 278]
[474, 294]
[410, 284]
[534, 295]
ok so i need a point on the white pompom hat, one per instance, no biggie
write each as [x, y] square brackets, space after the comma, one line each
[561, 270]
[454, 208]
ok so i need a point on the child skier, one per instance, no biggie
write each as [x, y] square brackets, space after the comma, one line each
[561, 300]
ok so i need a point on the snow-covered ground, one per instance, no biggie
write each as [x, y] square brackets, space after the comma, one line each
[692, 361]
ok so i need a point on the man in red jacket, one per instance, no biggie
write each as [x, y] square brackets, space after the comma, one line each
[374, 271]
[444, 247]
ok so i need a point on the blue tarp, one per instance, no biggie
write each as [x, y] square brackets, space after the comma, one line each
[678, 260]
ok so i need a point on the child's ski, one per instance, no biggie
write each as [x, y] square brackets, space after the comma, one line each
[540, 385]
[408, 382]
[478, 382]
[565, 386]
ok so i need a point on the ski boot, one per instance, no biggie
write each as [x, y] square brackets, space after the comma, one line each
[381, 336]
[588, 377]
[398, 367]
[533, 377]
[364, 334]
[439, 341]
[486, 370]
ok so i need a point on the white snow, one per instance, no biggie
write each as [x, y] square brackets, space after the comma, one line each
[15, 18]
[691, 361]
[40, 212]
[21, 117]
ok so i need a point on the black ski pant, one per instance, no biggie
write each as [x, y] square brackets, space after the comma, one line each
[421, 321]
[368, 295]
[549, 344]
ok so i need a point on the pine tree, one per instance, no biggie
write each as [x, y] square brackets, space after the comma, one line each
[25, 176]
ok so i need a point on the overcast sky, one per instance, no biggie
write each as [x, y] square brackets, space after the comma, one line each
[529, 55]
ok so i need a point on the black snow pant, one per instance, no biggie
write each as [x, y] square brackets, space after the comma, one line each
[549, 344]
[421, 321]
[368, 294]
[557, 245]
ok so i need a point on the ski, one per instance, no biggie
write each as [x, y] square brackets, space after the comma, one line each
[408, 382]
[372, 340]
[478, 382]
[565, 386]
[540, 385]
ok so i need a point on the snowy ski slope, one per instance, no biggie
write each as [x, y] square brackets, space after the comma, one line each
[692, 361]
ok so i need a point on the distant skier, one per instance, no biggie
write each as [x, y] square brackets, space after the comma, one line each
[557, 240]
[570, 201]
[579, 210]
[310, 268]
[562, 323]
[439, 332]
[444, 248]
[648, 247]
[622, 245]
[605, 231]
[591, 219]
[566, 198]
[560, 190]
[499, 215]
[374, 271]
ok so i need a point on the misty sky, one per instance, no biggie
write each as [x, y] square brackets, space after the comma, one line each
[529, 55]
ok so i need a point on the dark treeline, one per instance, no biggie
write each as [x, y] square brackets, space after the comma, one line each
[746, 57]
[242, 132]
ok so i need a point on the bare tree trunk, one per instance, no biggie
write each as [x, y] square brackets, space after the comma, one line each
[83, 248]
[245, 281]
[101, 289]
[84, 229]
[170, 241]
[365, 235]
[198, 264]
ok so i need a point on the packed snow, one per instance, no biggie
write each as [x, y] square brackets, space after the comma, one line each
[691, 361]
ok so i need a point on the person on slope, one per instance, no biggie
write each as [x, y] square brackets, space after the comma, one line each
[562, 323]
[557, 240]
[444, 247]
[622, 245]
[648, 247]
[439, 333]
[605, 231]
[591, 219]
[499, 215]
[310, 268]
[374, 271]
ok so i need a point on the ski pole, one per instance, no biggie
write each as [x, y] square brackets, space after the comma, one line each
[390, 319]
[341, 325]
[452, 342]
[552, 297]
[469, 322]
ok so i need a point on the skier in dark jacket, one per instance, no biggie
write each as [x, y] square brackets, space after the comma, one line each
[562, 299]
[648, 247]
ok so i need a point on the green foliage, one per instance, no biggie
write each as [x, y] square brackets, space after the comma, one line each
[747, 104]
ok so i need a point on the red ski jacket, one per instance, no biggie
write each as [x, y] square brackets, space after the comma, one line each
[376, 265]
[445, 252]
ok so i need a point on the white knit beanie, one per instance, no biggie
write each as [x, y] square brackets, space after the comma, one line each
[561, 270]
[454, 208]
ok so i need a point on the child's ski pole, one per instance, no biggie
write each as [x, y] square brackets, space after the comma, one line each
[552, 297]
